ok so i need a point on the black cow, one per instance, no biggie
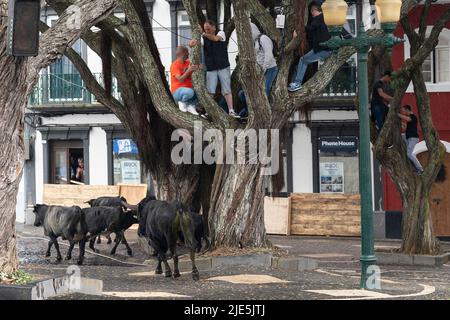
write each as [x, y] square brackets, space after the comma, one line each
[199, 233]
[107, 202]
[107, 220]
[66, 222]
[161, 222]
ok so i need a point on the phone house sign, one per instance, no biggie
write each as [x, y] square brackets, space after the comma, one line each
[338, 144]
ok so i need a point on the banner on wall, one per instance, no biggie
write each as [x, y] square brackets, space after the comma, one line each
[332, 177]
[121, 146]
[131, 171]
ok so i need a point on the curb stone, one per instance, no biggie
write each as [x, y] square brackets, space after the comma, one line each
[412, 260]
[258, 260]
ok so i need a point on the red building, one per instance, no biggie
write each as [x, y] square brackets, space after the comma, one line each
[436, 70]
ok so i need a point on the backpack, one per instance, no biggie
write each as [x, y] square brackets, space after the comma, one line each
[274, 45]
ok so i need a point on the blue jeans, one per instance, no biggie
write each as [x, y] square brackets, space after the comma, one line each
[270, 76]
[186, 95]
[307, 59]
[380, 112]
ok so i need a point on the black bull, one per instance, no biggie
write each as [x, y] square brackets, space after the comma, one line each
[107, 220]
[65, 222]
[107, 202]
[161, 223]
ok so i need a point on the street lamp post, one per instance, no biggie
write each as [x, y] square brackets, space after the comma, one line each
[335, 15]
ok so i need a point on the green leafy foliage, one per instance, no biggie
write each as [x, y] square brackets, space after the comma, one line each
[17, 277]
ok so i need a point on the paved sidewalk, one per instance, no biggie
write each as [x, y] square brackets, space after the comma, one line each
[337, 276]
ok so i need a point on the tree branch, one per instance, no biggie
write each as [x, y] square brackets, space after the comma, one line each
[70, 26]
[265, 20]
[150, 72]
[251, 74]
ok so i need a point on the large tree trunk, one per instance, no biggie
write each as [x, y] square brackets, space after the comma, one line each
[179, 184]
[12, 104]
[237, 213]
[17, 76]
[418, 235]
[13, 90]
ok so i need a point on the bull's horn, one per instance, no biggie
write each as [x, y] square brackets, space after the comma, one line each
[129, 206]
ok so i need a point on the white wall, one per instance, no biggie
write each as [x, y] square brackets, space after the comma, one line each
[302, 170]
[98, 157]
[324, 115]
[39, 167]
[163, 37]
[20, 206]
[81, 119]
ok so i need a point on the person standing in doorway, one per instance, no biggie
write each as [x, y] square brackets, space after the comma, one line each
[381, 100]
[80, 170]
[217, 63]
[411, 135]
[316, 33]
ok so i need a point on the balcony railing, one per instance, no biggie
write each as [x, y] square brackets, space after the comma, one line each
[69, 89]
[343, 83]
[66, 89]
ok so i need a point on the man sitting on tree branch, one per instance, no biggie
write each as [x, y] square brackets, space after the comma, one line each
[316, 33]
[181, 81]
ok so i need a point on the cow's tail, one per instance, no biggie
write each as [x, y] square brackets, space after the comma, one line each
[82, 228]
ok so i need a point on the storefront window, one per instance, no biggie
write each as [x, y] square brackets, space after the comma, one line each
[127, 165]
[338, 165]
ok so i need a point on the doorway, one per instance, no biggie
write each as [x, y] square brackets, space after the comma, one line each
[67, 162]
[440, 198]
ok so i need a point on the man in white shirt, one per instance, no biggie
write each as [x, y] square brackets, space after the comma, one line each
[217, 63]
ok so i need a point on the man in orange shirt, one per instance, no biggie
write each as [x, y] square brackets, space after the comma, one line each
[181, 81]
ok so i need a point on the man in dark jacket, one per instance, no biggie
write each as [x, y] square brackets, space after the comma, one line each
[317, 33]
[380, 100]
[411, 135]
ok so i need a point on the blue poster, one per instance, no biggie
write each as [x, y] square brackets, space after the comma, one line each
[124, 146]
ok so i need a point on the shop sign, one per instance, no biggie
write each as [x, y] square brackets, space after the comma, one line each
[338, 144]
[131, 171]
[121, 146]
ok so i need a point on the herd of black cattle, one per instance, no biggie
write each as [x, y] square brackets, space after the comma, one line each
[163, 224]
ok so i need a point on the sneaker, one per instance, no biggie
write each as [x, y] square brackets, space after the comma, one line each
[191, 109]
[234, 114]
[294, 86]
[204, 116]
[182, 106]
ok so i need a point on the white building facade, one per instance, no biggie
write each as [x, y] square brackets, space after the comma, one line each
[64, 123]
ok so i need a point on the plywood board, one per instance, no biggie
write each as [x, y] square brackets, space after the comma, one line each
[277, 213]
[134, 193]
[325, 214]
[75, 195]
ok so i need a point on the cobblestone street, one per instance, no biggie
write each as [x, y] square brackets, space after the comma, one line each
[337, 275]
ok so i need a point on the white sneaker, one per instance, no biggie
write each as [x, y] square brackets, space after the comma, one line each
[191, 109]
[183, 106]
[234, 114]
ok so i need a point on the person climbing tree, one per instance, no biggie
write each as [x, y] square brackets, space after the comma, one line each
[266, 60]
[380, 100]
[411, 135]
[316, 33]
